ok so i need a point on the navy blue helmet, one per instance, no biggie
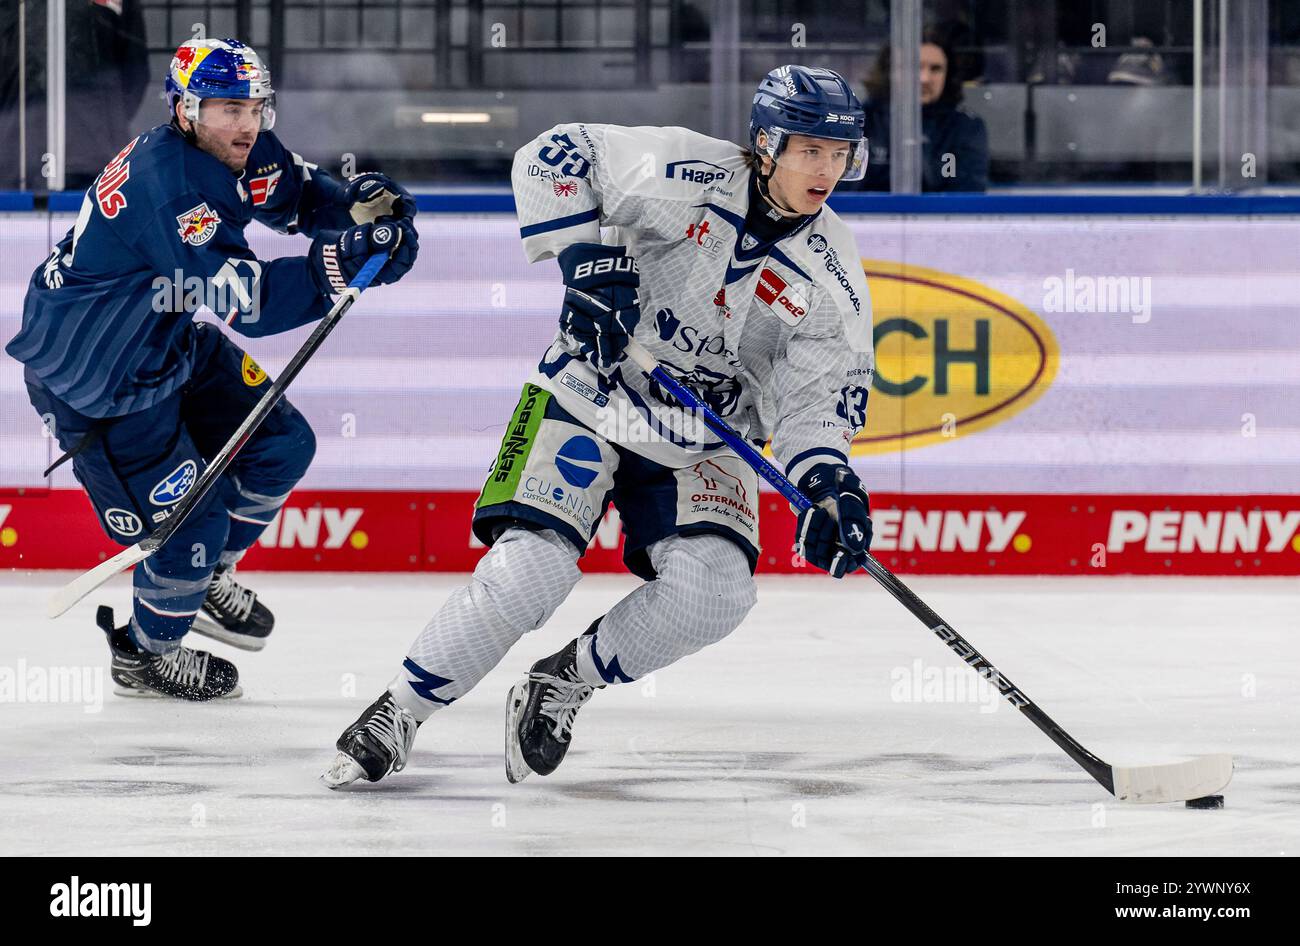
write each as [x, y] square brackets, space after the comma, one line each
[801, 100]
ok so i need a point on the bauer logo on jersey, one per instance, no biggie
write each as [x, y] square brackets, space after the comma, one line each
[173, 487]
[781, 297]
[198, 225]
[697, 172]
[261, 188]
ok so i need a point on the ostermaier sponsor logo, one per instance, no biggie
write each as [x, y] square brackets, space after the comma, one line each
[953, 357]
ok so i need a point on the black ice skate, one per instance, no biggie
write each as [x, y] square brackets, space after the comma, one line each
[539, 714]
[232, 614]
[378, 743]
[184, 674]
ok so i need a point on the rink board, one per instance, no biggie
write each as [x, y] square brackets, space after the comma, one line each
[1126, 385]
[1016, 534]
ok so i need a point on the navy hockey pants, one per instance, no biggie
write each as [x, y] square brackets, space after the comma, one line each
[136, 467]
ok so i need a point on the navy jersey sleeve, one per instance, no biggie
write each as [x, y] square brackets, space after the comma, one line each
[204, 260]
[290, 194]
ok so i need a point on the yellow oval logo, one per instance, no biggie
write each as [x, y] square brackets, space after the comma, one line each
[953, 357]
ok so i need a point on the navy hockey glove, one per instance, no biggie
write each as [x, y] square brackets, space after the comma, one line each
[372, 195]
[601, 304]
[338, 257]
[834, 539]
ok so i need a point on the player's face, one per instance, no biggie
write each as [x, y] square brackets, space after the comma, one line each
[934, 73]
[227, 128]
[807, 171]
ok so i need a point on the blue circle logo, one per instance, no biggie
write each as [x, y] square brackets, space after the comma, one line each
[572, 458]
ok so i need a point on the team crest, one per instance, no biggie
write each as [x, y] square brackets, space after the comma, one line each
[261, 188]
[198, 225]
[252, 371]
[565, 188]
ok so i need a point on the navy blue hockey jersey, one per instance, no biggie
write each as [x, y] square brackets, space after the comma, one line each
[108, 317]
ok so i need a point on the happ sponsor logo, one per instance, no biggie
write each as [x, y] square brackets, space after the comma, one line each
[1220, 531]
[298, 528]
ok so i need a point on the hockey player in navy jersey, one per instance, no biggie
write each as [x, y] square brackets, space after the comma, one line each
[724, 262]
[139, 394]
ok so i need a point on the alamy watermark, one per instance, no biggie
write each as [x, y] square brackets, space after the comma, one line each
[22, 683]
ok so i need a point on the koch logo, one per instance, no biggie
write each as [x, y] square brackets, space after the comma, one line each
[1192, 531]
[571, 458]
[697, 172]
[124, 900]
[175, 484]
[295, 528]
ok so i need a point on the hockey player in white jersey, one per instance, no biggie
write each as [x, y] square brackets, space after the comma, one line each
[726, 265]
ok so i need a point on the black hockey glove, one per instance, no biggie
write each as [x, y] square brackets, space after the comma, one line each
[338, 257]
[372, 195]
[601, 303]
[834, 539]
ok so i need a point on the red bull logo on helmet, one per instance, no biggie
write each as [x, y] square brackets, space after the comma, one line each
[197, 225]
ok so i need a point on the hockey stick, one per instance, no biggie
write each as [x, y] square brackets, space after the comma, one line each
[84, 584]
[1178, 781]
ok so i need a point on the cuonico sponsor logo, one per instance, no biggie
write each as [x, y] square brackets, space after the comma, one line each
[953, 357]
[315, 527]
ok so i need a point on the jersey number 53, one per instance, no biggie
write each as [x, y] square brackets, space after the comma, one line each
[576, 166]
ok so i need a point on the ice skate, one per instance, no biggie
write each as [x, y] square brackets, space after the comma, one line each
[540, 710]
[377, 744]
[232, 614]
[184, 674]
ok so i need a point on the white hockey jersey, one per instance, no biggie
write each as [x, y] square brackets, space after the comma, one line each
[778, 341]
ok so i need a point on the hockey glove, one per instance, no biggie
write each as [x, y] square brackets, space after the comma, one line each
[835, 533]
[338, 257]
[372, 195]
[601, 304]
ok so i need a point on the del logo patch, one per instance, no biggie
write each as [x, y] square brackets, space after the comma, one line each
[197, 225]
[261, 188]
[252, 371]
[783, 299]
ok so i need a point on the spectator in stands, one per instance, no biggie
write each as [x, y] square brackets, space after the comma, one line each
[106, 78]
[955, 143]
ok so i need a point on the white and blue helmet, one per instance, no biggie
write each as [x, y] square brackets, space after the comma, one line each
[802, 100]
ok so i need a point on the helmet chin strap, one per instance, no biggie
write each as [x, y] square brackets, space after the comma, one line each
[764, 177]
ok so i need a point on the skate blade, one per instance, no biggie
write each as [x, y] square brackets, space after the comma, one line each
[343, 771]
[516, 768]
[142, 694]
[209, 628]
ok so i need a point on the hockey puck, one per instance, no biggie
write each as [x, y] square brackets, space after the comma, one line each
[1209, 801]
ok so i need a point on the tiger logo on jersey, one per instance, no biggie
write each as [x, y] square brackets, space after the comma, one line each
[198, 225]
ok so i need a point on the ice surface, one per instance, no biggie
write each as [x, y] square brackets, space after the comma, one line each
[802, 733]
